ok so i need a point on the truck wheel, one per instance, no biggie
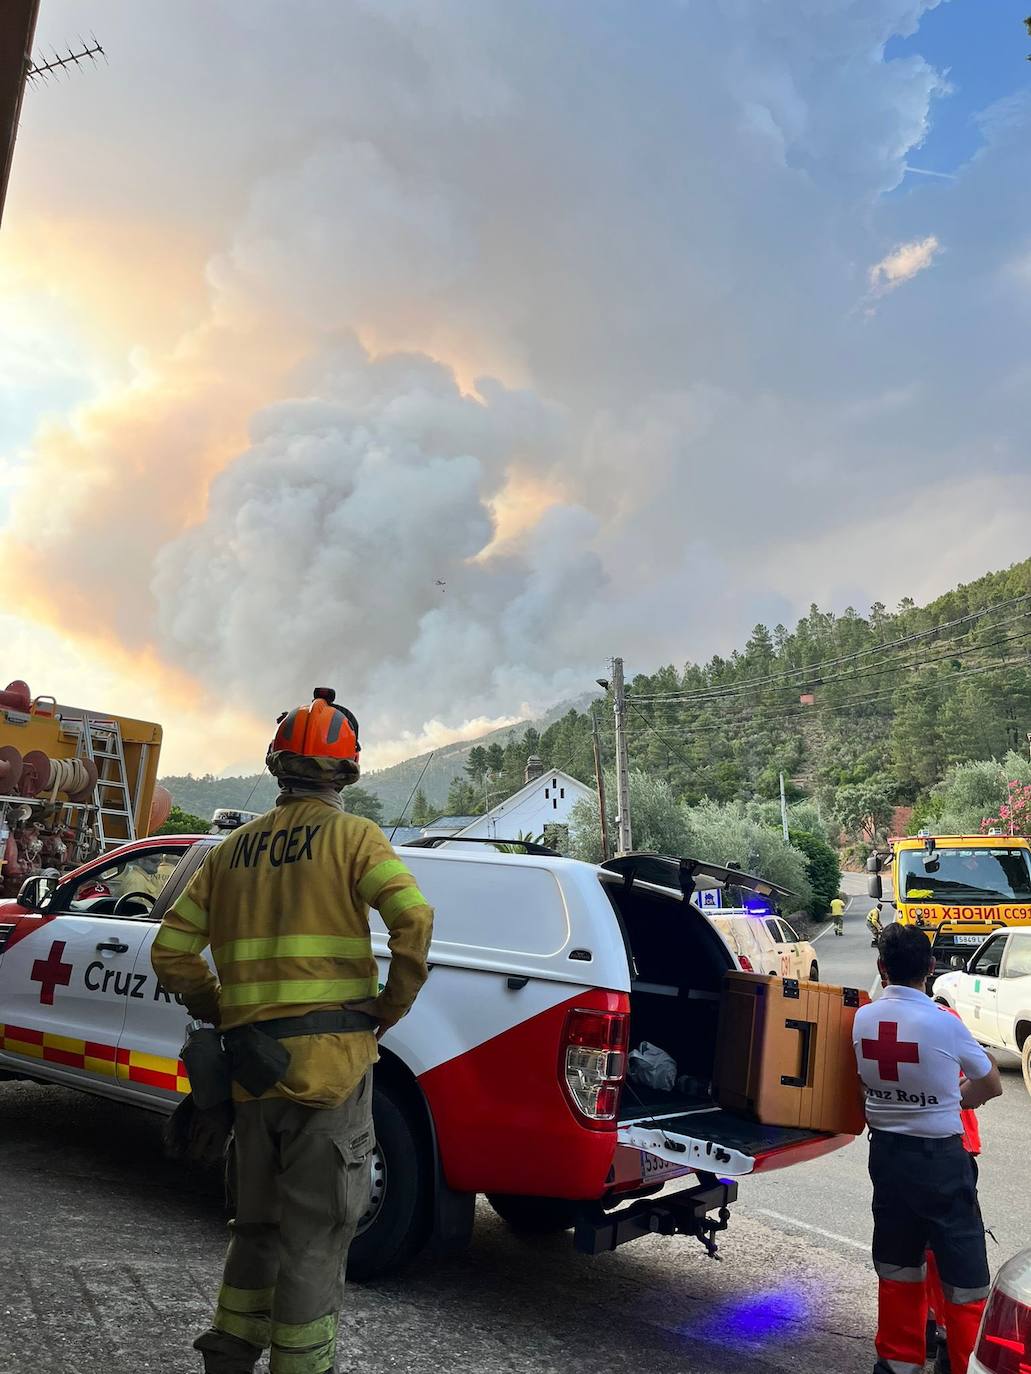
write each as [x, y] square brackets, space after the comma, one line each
[534, 1216]
[814, 972]
[1025, 1062]
[397, 1224]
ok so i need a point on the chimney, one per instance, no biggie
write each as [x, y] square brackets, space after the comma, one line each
[534, 767]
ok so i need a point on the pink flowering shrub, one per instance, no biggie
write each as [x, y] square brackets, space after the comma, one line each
[1014, 815]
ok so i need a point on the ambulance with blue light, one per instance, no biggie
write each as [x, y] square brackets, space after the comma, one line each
[509, 1076]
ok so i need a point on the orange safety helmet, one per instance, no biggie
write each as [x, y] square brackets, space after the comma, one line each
[323, 730]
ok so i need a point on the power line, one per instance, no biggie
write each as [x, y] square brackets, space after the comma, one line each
[965, 651]
[851, 702]
[811, 669]
[658, 735]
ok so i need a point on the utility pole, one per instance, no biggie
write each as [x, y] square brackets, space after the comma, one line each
[624, 835]
[783, 809]
[599, 777]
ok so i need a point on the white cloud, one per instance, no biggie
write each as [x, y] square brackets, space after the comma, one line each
[902, 264]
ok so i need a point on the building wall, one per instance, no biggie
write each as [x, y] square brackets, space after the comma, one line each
[550, 801]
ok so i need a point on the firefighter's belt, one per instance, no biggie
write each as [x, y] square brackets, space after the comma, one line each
[315, 1023]
[258, 1061]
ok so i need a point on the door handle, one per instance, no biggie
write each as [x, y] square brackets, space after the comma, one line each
[115, 946]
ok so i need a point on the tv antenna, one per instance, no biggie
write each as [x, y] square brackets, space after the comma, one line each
[43, 71]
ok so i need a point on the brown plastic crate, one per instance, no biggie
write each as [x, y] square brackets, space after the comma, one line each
[784, 1053]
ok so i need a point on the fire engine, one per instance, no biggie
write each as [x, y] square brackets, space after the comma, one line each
[73, 783]
[959, 888]
[508, 1077]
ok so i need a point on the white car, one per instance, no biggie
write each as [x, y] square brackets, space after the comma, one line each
[766, 944]
[1004, 1341]
[993, 994]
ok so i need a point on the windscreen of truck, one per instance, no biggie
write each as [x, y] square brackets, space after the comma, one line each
[964, 875]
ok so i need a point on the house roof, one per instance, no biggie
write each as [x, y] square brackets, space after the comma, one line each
[401, 834]
[535, 784]
[454, 823]
[17, 24]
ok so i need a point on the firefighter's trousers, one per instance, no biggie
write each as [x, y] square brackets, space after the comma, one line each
[925, 1198]
[302, 1185]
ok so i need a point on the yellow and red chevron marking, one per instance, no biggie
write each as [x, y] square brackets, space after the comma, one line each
[109, 1061]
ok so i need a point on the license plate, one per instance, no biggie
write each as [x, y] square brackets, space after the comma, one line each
[654, 1167]
[969, 939]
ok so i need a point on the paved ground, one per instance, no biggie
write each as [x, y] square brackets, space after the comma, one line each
[112, 1256]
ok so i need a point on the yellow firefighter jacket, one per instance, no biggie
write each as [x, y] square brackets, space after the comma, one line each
[284, 903]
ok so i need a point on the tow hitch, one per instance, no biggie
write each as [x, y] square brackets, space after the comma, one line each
[685, 1213]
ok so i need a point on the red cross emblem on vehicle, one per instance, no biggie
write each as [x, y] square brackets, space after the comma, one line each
[889, 1051]
[51, 972]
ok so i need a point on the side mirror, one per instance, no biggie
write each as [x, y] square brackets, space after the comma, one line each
[873, 864]
[35, 892]
[874, 886]
[957, 961]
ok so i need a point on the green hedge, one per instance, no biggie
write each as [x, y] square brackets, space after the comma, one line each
[822, 869]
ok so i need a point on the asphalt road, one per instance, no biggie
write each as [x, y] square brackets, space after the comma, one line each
[831, 1197]
[112, 1256]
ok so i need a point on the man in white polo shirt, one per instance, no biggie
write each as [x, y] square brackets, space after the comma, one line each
[912, 1055]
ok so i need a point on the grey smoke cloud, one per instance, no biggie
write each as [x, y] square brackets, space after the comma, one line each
[649, 232]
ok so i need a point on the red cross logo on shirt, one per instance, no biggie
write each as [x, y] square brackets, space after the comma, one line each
[889, 1051]
[51, 972]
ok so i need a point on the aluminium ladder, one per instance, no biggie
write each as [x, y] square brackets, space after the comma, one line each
[100, 741]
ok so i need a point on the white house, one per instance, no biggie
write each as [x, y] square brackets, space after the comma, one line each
[546, 800]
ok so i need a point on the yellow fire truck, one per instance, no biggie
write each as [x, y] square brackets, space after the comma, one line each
[959, 888]
[73, 783]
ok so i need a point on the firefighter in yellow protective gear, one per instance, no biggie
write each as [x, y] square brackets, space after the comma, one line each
[838, 913]
[873, 920]
[284, 904]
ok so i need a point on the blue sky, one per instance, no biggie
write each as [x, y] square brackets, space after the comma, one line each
[982, 46]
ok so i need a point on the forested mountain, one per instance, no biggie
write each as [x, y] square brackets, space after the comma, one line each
[861, 712]
[392, 786]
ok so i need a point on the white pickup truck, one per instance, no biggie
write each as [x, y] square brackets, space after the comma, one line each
[992, 994]
[508, 1077]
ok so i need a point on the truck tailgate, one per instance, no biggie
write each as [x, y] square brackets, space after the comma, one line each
[720, 1142]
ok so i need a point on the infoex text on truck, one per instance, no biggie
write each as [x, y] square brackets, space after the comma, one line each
[976, 880]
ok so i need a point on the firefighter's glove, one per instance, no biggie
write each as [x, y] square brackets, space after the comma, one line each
[199, 1135]
[382, 1017]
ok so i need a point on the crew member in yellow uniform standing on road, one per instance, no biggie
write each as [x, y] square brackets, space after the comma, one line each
[284, 904]
[838, 913]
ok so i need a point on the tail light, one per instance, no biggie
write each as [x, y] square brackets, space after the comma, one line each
[1004, 1343]
[593, 1063]
[745, 963]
